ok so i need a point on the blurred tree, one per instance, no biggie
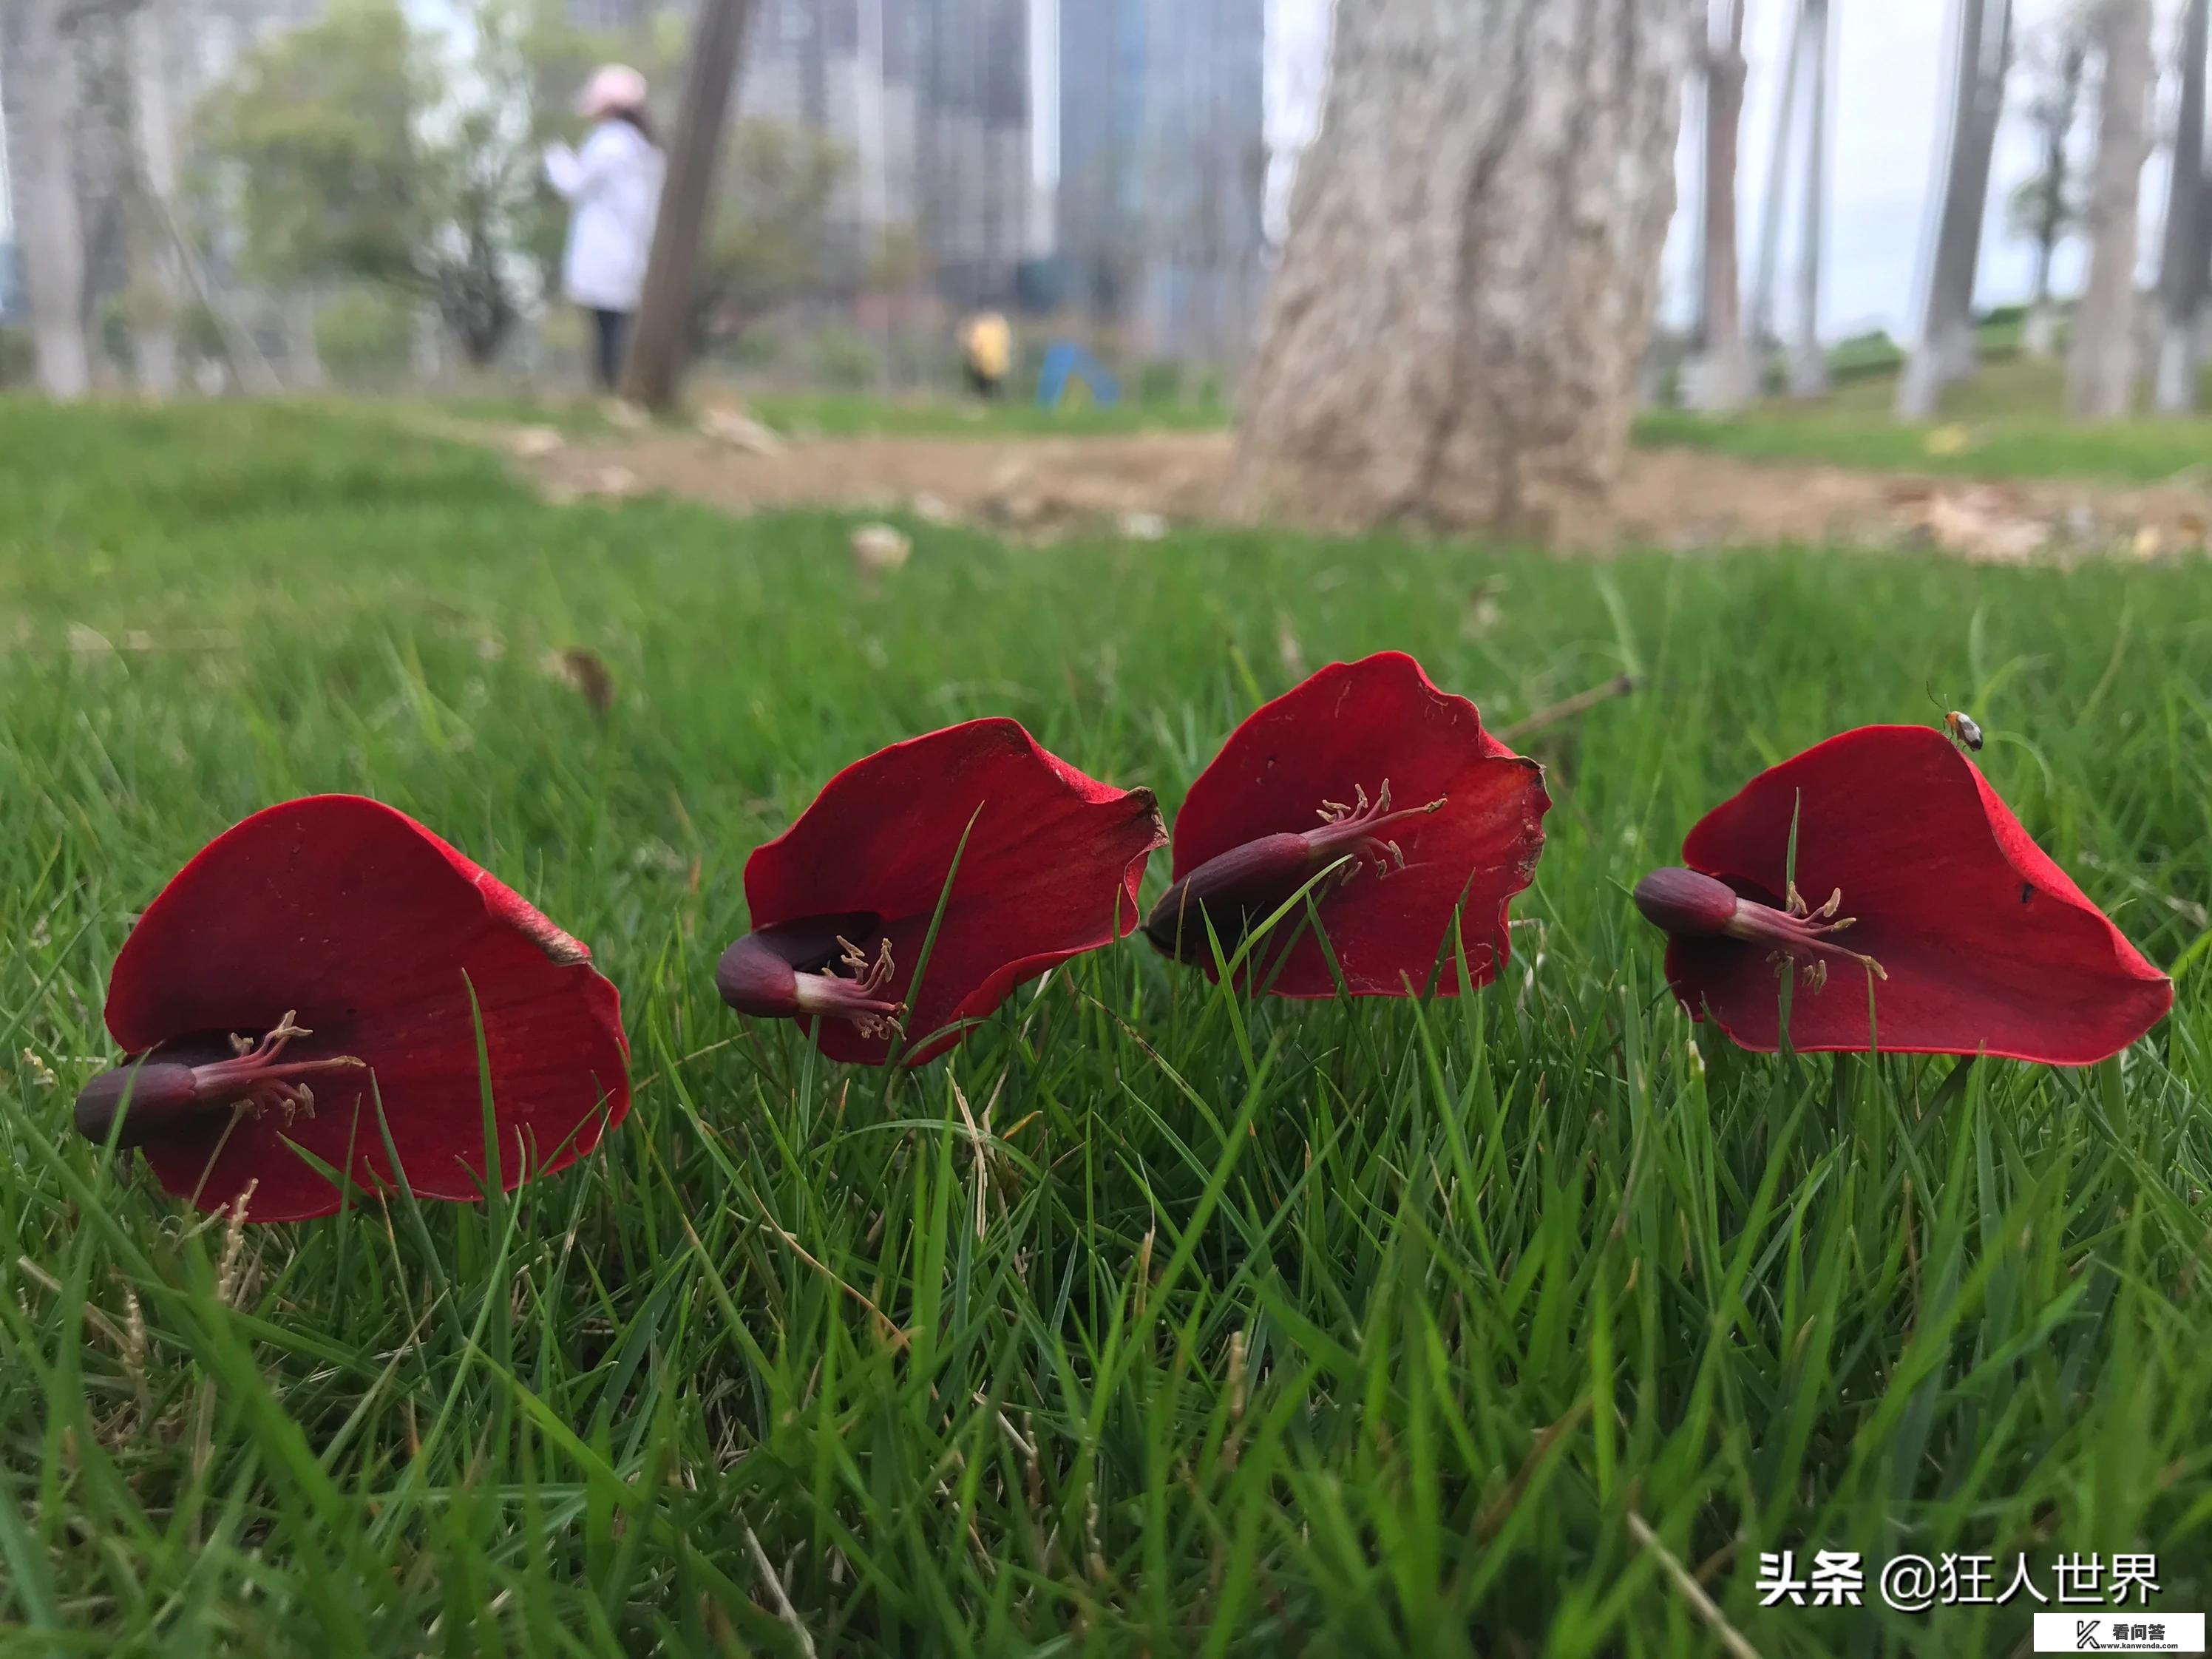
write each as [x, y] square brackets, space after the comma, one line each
[319, 125]
[2181, 276]
[159, 294]
[2045, 208]
[1945, 353]
[363, 156]
[2100, 371]
[1721, 379]
[1467, 290]
[45, 209]
[1809, 362]
[711, 55]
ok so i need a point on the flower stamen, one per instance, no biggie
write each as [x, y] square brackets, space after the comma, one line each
[863, 981]
[1353, 828]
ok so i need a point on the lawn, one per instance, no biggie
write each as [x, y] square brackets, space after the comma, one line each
[1490, 1325]
[2008, 422]
[852, 414]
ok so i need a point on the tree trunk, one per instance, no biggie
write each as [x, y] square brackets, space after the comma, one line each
[1720, 381]
[2054, 118]
[1809, 364]
[2101, 374]
[1778, 190]
[2182, 270]
[1473, 265]
[160, 276]
[47, 212]
[1945, 350]
[686, 204]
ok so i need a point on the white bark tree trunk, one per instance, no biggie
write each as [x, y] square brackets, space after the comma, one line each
[2101, 372]
[47, 218]
[1720, 381]
[1473, 264]
[1809, 363]
[2182, 271]
[1778, 187]
[161, 275]
[1945, 353]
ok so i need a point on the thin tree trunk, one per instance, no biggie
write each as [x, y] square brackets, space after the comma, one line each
[2182, 272]
[46, 211]
[686, 203]
[2055, 118]
[1473, 265]
[1809, 364]
[161, 277]
[2101, 374]
[1721, 382]
[1777, 179]
[1945, 350]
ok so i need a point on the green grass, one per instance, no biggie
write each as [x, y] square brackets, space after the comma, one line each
[844, 414]
[834, 414]
[1289, 1328]
[2012, 413]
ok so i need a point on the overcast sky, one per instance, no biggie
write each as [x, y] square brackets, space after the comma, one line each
[1891, 61]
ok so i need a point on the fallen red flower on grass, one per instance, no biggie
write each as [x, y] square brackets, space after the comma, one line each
[1425, 813]
[841, 901]
[317, 958]
[1973, 939]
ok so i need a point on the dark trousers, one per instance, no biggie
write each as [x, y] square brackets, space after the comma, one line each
[611, 330]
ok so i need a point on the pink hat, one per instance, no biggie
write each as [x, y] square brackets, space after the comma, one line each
[613, 88]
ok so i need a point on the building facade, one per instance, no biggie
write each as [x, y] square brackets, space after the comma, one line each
[929, 101]
[1163, 169]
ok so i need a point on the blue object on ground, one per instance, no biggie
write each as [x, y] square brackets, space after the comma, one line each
[1064, 360]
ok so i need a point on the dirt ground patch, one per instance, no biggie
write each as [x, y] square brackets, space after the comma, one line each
[1681, 499]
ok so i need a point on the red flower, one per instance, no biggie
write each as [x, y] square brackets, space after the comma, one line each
[1343, 747]
[842, 900]
[1973, 939]
[326, 945]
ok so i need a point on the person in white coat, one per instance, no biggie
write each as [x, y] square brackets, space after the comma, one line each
[612, 184]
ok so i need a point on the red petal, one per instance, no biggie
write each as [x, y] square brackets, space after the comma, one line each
[1988, 944]
[1353, 726]
[374, 931]
[1050, 870]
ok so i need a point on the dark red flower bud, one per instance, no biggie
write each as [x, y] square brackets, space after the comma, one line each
[1683, 901]
[328, 957]
[161, 1094]
[1392, 880]
[1965, 936]
[1044, 863]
